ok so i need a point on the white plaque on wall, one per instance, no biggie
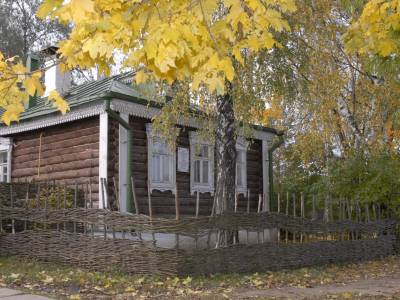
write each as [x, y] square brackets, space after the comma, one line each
[183, 160]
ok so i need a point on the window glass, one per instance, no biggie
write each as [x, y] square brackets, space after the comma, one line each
[240, 168]
[201, 164]
[3, 166]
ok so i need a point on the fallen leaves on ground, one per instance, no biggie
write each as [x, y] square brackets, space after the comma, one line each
[75, 283]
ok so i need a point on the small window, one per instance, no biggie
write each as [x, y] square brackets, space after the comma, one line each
[202, 165]
[5, 157]
[161, 163]
[241, 167]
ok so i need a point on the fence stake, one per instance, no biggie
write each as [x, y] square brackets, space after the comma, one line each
[287, 214]
[135, 200]
[374, 211]
[326, 209]
[302, 213]
[236, 202]
[76, 202]
[102, 193]
[12, 205]
[26, 204]
[116, 194]
[259, 203]
[65, 206]
[58, 207]
[45, 204]
[177, 212]
[197, 203]
[279, 202]
[248, 201]
[367, 217]
[267, 203]
[149, 199]
[294, 214]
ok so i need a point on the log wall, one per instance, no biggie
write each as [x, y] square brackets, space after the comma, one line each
[163, 203]
[63, 154]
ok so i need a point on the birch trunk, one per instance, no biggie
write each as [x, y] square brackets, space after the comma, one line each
[225, 155]
[351, 122]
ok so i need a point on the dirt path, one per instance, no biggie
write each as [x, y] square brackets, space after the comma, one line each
[382, 287]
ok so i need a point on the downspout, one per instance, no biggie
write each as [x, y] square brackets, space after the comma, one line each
[271, 150]
[129, 195]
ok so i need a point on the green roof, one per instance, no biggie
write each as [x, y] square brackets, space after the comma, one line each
[80, 95]
[118, 86]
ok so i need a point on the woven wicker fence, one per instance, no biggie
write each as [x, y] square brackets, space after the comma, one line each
[68, 230]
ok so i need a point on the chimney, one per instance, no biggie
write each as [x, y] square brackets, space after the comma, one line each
[32, 64]
[54, 78]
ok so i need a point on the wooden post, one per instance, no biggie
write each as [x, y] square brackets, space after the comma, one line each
[102, 193]
[76, 201]
[314, 207]
[236, 202]
[58, 207]
[45, 205]
[326, 212]
[248, 201]
[267, 203]
[279, 211]
[26, 204]
[367, 216]
[302, 213]
[374, 211]
[106, 204]
[259, 203]
[287, 214]
[12, 205]
[279, 202]
[65, 206]
[135, 200]
[294, 204]
[149, 200]
[116, 194]
[177, 212]
[197, 203]
[294, 214]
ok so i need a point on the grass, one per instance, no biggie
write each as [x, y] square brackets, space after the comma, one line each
[75, 283]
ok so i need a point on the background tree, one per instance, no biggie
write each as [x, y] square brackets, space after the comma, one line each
[22, 31]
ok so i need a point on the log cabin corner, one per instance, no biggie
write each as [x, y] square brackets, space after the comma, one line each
[109, 124]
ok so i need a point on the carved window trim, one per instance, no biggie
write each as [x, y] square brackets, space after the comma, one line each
[197, 141]
[241, 148]
[154, 185]
[6, 147]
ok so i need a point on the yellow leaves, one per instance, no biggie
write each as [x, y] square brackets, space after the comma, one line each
[79, 9]
[141, 77]
[172, 40]
[59, 102]
[33, 85]
[12, 113]
[376, 31]
[47, 7]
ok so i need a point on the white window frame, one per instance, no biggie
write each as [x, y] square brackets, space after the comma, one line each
[6, 146]
[241, 146]
[160, 186]
[196, 141]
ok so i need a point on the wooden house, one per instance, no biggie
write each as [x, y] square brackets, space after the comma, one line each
[89, 146]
